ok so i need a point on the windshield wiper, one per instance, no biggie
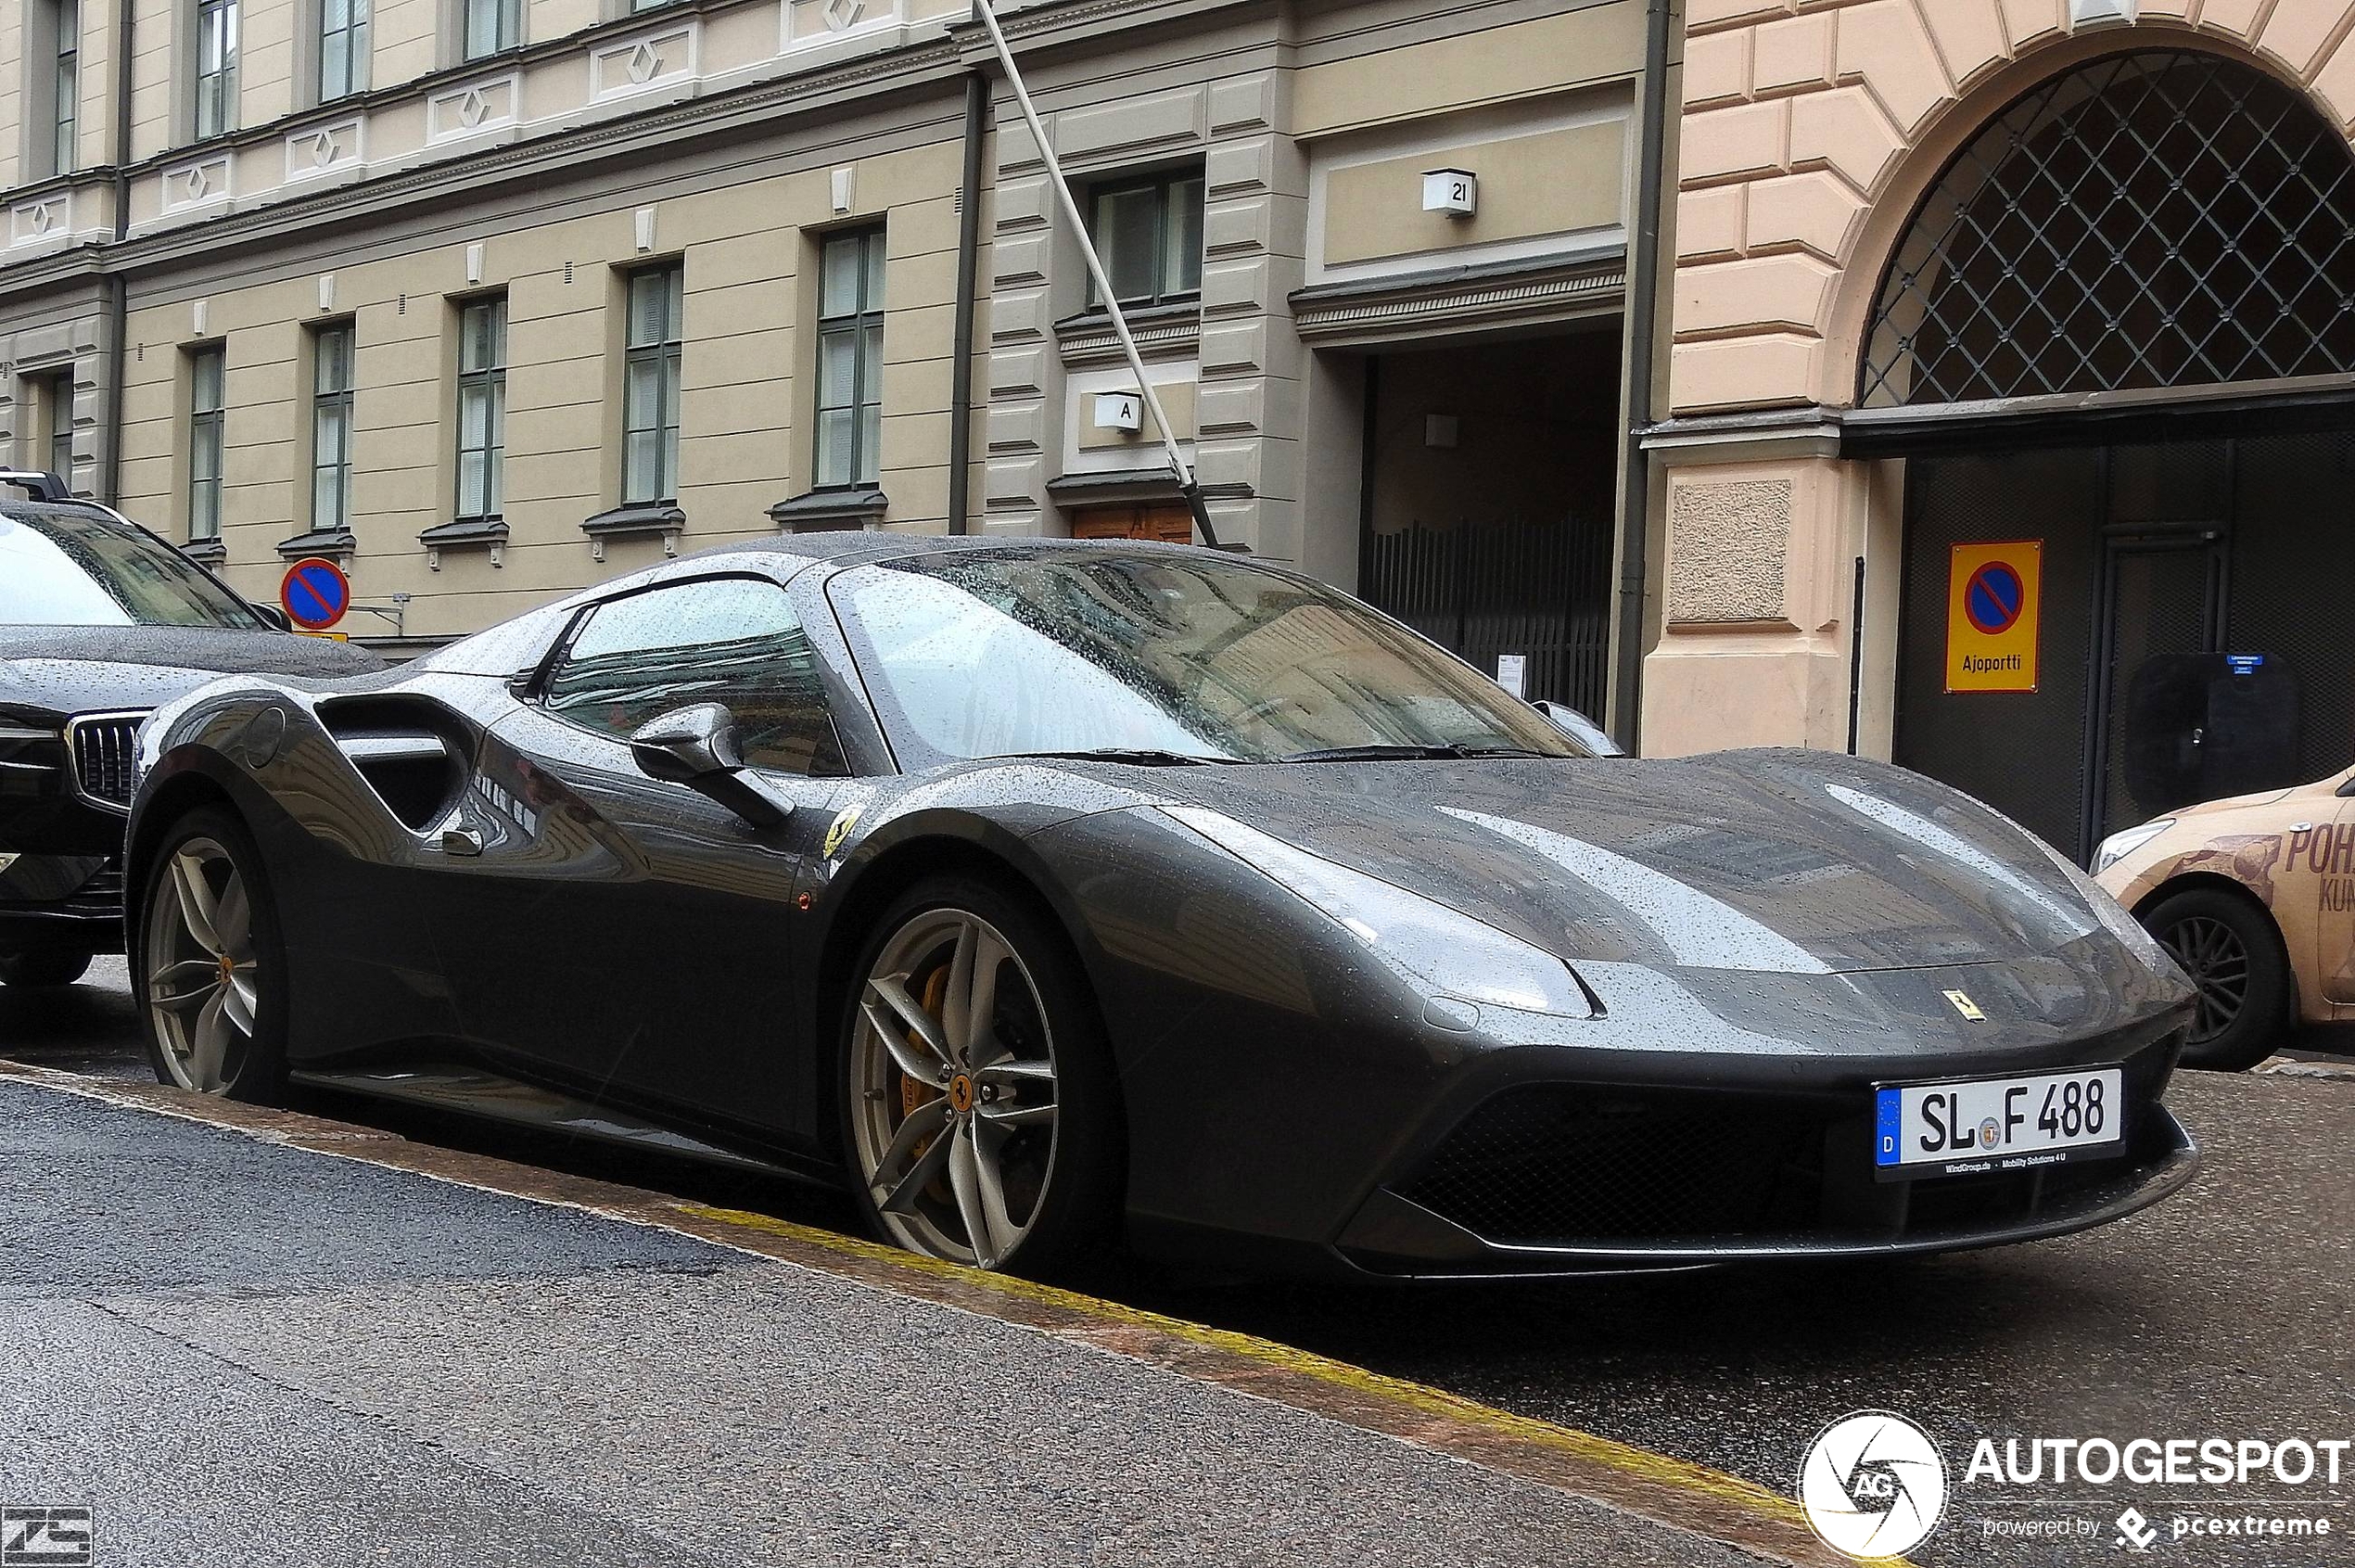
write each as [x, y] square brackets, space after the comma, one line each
[1140, 756]
[1387, 753]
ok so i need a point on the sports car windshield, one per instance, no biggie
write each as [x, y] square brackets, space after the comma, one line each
[1155, 657]
[67, 568]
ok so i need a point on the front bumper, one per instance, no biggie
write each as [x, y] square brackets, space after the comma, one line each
[71, 901]
[1565, 1176]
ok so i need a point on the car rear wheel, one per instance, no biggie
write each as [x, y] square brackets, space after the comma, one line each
[981, 1119]
[42, 968]
[2230, 951]
[210, 969]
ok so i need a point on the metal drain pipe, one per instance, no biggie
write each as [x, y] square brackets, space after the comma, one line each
[1643, 288]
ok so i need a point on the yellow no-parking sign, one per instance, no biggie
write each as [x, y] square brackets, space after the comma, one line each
[1992, 592]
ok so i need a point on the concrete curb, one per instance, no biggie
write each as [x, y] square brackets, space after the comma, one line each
[1654, 1486]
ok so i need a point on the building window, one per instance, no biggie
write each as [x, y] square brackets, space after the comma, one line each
[1149, 234]
[650, 386]
[343, 48]
[491, 26]
[637, 5]
[331, 352]
[65, 93]
[207, 375]
[850, 328]
[216, 66]
[482, 408]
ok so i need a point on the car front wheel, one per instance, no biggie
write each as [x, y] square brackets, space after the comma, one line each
[981, 1117]
[209, 968]
[2228, 946]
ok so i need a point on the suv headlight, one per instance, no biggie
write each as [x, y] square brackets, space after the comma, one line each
[28, 749]
[1422, 940]
[2117, 845]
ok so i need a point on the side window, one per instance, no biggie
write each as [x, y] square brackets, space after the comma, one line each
[727, 640]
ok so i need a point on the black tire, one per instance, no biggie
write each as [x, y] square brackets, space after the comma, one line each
[2229, 946]
[44, 968]
[1075, 1218]
[255, 1069]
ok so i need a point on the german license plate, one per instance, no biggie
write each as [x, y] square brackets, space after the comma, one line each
[1958, 1129]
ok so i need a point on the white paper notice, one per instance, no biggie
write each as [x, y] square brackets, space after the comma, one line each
[1511, 672]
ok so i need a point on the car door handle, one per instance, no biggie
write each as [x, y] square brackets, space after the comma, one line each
[461, 841]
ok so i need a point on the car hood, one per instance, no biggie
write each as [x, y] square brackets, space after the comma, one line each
[86, 669]
[1780, 861]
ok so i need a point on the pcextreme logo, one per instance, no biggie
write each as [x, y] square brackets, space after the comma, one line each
[1873, 1484]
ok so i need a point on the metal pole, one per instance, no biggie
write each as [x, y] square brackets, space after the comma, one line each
[1070, 204]
[1856, 659]
[961, 374]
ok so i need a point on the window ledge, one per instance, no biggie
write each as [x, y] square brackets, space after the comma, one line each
[665, 517]
[490, 531]
[1162, 332]
[829, 511]
[319, 542]
[207, 551]
[1157, 483]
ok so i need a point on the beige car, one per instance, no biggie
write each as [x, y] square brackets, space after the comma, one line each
[2255, 895]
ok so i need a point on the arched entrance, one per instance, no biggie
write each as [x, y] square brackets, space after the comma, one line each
[2114, 345]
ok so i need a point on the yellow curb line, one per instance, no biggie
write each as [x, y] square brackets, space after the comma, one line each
[1656, 1486]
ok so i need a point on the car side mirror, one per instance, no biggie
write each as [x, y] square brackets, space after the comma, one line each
[1578, 727]
[274, 616]
[701, 747]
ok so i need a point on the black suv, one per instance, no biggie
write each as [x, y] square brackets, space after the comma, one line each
[101, 623]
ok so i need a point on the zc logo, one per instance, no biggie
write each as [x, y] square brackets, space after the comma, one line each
[44, 1537]
[1873, 1484]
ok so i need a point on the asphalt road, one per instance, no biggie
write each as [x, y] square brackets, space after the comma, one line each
[2223, 1313]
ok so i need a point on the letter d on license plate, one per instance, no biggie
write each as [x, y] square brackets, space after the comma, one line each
[1970, 1126]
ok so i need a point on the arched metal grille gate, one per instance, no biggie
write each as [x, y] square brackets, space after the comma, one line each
[2151, 221]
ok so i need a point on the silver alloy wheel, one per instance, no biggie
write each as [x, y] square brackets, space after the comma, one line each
[203, 986]
[953, 1066]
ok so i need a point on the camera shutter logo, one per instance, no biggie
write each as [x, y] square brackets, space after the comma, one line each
[44, 1537]
[1873, 1484]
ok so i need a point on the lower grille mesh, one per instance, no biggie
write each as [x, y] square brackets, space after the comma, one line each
[1559, 1162]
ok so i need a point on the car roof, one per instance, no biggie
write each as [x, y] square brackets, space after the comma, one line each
[88, 512]
[845, 547]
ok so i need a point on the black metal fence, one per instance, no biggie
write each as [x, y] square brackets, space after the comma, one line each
[1540, 589]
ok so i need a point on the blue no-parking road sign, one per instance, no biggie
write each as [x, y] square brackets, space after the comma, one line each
[316, 593]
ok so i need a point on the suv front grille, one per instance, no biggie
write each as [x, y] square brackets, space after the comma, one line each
[102, 746]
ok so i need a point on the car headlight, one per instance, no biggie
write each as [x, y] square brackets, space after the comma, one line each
[1422, 939]
[2117, 845]
[29, 748]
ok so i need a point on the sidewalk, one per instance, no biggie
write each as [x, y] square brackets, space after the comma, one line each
[241, 1351]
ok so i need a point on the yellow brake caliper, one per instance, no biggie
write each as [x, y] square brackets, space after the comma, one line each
[914, 1091]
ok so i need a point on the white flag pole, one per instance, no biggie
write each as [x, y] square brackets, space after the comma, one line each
[1184, 471]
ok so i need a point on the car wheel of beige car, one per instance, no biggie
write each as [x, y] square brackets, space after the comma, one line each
[2232, 953]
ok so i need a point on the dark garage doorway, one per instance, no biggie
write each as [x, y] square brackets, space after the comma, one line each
[2194, 642]
[1488, 504]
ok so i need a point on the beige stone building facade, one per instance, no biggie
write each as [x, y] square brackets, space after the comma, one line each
[2010, 397]
[491, 299]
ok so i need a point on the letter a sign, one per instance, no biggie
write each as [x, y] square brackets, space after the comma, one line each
[1992, 594]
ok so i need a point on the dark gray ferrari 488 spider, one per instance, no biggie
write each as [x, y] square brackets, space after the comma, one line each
[1041, 893]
